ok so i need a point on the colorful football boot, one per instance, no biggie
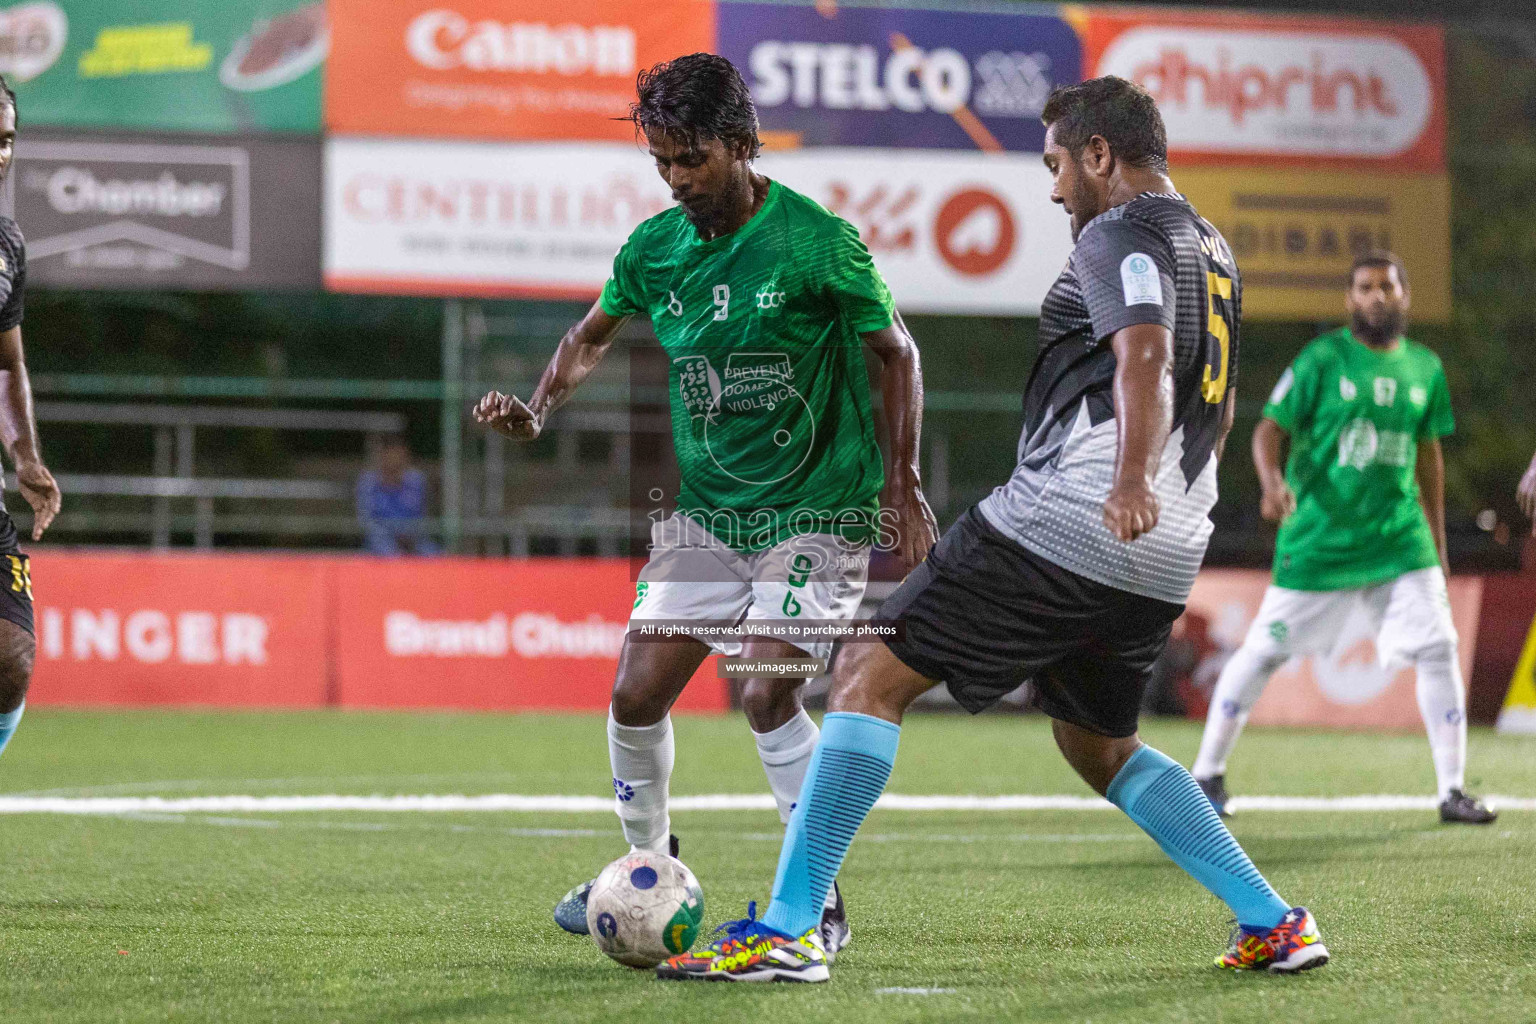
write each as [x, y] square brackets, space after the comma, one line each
[1292, 945]
[749, 952]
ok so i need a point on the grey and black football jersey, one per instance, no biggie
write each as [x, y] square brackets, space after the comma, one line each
[13, 274]
[1152, 260]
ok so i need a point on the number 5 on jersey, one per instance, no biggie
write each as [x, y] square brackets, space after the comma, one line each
[1214, 386]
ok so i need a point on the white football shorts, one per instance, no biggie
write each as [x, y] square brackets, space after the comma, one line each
[692, 577]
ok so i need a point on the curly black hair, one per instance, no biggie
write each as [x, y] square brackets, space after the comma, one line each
[697, 97]
[1121, 113]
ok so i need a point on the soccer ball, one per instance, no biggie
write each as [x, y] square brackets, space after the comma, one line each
[643, 908]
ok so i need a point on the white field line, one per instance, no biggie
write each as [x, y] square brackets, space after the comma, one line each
[718, 802]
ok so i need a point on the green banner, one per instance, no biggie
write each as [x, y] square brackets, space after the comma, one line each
[167, 65]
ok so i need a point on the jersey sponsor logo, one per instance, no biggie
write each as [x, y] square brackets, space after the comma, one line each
[1140, 280]
[1282, 387]
[1362, 445]
[698, 386]
[770, 301]
[445, 39]
[1347, 389]
[1418, 395]
[1385, 389]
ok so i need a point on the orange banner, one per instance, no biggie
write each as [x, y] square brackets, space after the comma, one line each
[537, 633]
[1262, 89]
[500, 69]
[138, 628]
[1346, 689]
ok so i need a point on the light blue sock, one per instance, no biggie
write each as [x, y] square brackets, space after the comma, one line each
[847, 774]
[8, 723]
[1164, 799]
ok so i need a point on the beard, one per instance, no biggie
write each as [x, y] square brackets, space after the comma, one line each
[1380, 330]
[710, 215]
[1084, 209]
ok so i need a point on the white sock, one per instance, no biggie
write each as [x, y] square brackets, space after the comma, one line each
[642, 767]
[1443, 704]
[1241, 683]
[786, 754]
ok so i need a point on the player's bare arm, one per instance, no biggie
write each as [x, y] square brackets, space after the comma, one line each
[582, 348]
[1526, 495]
[1270, 442]
[1144, 399]
[901, 389]
[18, 429]
[1228, 417]
[1429, 470]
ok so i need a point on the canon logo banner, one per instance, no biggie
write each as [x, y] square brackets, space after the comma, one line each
[1314, 90]
[446, 39]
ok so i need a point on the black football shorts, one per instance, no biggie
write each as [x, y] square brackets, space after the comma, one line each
[984, 614]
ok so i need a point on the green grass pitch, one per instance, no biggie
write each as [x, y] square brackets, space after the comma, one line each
[1016, 916]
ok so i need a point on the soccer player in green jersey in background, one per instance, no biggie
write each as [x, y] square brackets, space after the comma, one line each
[763, 302]
[1361, 507]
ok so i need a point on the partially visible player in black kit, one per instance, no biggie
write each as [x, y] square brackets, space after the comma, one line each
[1072, 573]
[18, 431]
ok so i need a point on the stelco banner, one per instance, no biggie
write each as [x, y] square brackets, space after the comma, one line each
[187, 212]
[167, 65]
[501, 69]
[856, 76]
[957, 232]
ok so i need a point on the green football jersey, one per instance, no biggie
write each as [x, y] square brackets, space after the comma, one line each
[770, 400]
[1356, 417]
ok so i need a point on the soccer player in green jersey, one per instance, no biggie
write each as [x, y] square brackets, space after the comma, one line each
[763, 302]
[1361, 507]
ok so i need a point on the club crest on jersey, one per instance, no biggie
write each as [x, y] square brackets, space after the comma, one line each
[1347, 389]
[1140, 280]
[1418, 395]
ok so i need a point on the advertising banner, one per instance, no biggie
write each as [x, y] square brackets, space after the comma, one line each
[183, 212]
[438, 218]
[167, 65]
[1259, 89]
[955, 232]
[541, 633]
[1295, 232]
[501, 69]
[179, 629]
[1345, 689]
[951, 232]
[859, 76]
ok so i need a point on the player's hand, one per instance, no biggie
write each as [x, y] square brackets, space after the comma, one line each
[917, 529]
[1131, 510]
[507, 415]
[1526, 495]
[42, 492]
[1277, 503]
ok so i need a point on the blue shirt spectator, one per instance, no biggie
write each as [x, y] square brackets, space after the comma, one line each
[391, 504]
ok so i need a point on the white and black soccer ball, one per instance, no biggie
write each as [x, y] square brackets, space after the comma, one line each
[645, 907]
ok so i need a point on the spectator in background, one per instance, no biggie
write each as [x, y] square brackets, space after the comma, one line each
[392, 502]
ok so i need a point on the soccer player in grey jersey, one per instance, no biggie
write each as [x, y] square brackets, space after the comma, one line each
[1072, 573]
